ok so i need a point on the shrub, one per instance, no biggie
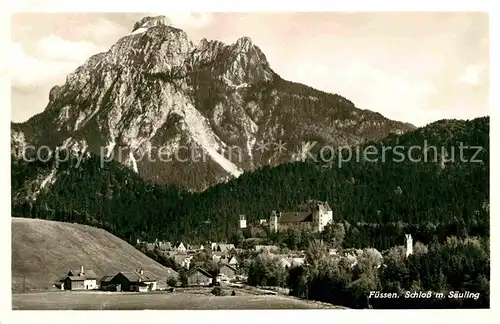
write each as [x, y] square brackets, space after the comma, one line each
[217, 291]
[172, 282]
[183, 278]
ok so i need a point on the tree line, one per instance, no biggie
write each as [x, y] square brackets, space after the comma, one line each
[352, 277]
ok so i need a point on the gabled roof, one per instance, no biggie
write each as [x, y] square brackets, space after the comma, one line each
[87, 274]
[76, 278]
[222, 265]
[177, 244]
[233, 260]
[133, 276]
[295, 217]
[225, 247]
[200, 270]
[106, 278]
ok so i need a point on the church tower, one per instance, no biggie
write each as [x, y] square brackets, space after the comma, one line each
[408, 244]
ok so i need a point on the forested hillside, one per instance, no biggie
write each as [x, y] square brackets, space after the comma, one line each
[445, 192]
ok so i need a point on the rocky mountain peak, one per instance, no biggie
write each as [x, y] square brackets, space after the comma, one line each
[244, 43]
[154, 89]
[148, 22]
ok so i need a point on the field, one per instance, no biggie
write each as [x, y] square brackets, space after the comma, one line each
[67, 300]
[43, 251]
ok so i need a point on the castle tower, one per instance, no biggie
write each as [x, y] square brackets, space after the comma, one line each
[322, 215]
[243, 222]
[316, 218]
[408, 244]
[273, 222]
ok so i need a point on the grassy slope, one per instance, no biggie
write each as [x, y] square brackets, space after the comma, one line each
[43, 251]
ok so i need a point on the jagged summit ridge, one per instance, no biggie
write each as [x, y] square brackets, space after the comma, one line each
[148, 22]
[244, 43]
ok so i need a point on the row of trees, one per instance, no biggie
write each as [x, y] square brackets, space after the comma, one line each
[358, 235]
[455, 265]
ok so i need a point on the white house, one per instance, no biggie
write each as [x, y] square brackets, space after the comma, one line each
[136, 280]
[224, 248]
[79, 280]
[180, 247]
[285, 263]
[233, 261]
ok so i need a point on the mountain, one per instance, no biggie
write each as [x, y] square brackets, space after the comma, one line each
[434, 178]
[191, 115]
[44, 251]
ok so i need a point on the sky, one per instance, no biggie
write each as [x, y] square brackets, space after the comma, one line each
[412, 67]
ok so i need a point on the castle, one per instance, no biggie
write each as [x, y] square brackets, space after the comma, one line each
[314, 220]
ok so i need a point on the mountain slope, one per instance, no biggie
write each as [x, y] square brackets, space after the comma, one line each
[192, 115]
[440, 191]
[43, 251]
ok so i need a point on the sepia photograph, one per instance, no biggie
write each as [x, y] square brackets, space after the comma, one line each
[249, 160]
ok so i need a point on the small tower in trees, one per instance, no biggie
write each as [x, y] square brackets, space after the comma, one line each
[273, 222]
[408, 244]
[243, 222]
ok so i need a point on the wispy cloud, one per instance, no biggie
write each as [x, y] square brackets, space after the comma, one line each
[54, 48]
[28, 71]
[54, 57]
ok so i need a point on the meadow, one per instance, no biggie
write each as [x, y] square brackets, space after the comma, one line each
[192, 300]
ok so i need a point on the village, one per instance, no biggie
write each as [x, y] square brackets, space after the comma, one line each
[221, 264]
[226, 270]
